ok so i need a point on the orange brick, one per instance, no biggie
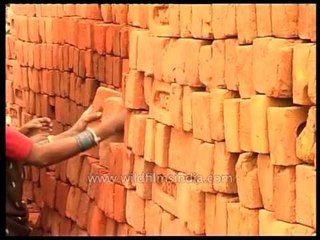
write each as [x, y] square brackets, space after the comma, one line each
[117, 72]
[306, 195]
[155, 11]
[201, 120]
[246, 23]
[247, 181]
[312, 80]
[171, 225]
[284, 195]
[249, 222]
[119, 12]
[218, 12]
[127, 168]
[93, 11]
[233, 213]
[160, 45]
[138, 15]
[245, 125]
[231, 107]
[205, 65]
[134, 97]
[106, 12]
[265, 179]
[153, 213]
[144, 58]
[133, 47]
[244, 71]
[196, 221]
[302, 72]
[174, 20]
[282, 131]
[142, 171]
[185, 20]
[99, 37]
[224, 169]
[61, 197]
[138, 122]
[72, 30]
[149, 146]
[201, 21]
[109, 199]
[259, 121]
[161, 144]
[230, 26]
[86, 31]
[312, 23]
[147, 88]
[85, 172]
[179, 141]
[306, 142]
[82, 211]
[33, 28]
[97, 222]
[49, 189]
[120, 203]
[215, 209]
[124, 42]
[263, 15]
[186, 108]
[230, 69]
[135, 211]
[288, 16]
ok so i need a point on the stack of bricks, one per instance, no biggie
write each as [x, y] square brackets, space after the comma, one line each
[220, 129]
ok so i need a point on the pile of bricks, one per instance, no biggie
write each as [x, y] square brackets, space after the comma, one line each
[220, 130]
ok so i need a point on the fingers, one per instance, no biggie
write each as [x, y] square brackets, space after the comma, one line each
[92, 117]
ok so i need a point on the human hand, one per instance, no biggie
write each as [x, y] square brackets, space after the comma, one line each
[88, 116]
[33, 126]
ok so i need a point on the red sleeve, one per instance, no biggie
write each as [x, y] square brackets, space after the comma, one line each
[18, 146]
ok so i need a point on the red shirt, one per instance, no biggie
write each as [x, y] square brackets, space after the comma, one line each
[18, 146]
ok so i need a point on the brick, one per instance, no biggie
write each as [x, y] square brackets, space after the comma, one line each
[230, 26]
[143, 171]
[48, 29]
[110, 29]
[72, 26]
[155, 17]
[266, 180]
[230, 68]
[164, 190]
[93, 11]
[99, 37]
[38, 199]
[61, 197]
[46, 109]
[144, 58]
[284, 195]
[69, 58]
[201, 21]
[49, 189]
[133, 47]
[66, 229]
[246, 23]
[312, 80]
[81, 67]
[233, 214]
[127, 168]
[124, 42]
[249, 222]
[101, 68]
[76, 57]
[24, 78]
[74, 169]
[134, 97]
[302, 72]
[97, 222]
[218, 13]
[306, 143]
[119, 12]
[260, 72]
[111, 227]
[174, 20]
[138, 15]
[57, 37]
[88, 63]
[284, 121]
[10, 47]
[171, 225]
[116, 40]
[96, 171]
[60, 58]
[115, 160]
[161, 144]
[117, 72]
[224, 164]
[245, 125]
[147, 88]
[33, 28]
[86, 31]
[259, 121]
[82, 211]
[306, 195]
[138, 122]
[85, 172]
[312, 21]
[72, 86]
[47, 78]
[119, 203]
[247, 181]
[160, 44]
[106, 12]
[19, 97]
[205, 65]
[263, 19]
[149, 146]
[66, 57]
[196, 222]
[231, 107]
[216, 213]
[153, 214]
[109, 199]
[9, 92]
[201, 120]
[185, 20]
[244, 71]
[27, 190]
[288, 15]
[159, 106]
[109, 69]
[91, 86]
[179, 141]
[135, 211]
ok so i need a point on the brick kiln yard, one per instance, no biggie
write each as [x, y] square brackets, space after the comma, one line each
[221, 114]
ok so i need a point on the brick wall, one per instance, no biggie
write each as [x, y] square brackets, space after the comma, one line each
[221, 112]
